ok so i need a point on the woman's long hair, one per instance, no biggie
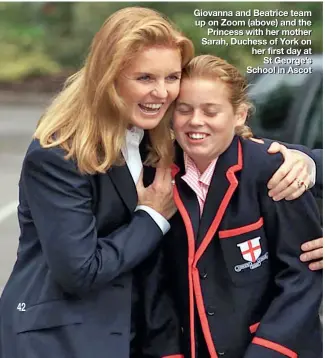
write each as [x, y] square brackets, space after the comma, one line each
[88, 118]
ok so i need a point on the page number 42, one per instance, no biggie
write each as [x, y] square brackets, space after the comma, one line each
[21, 306]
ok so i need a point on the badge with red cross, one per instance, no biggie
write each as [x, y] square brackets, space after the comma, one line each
[251, 249]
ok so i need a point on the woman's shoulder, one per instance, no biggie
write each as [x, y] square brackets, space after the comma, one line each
[51, 157]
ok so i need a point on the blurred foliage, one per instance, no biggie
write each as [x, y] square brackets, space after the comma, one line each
[48, 37]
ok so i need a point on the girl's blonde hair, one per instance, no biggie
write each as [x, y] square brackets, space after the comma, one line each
[212, 67]
[88, 118]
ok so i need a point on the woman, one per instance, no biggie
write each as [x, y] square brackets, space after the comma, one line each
[87, 280]
[85, 226]
[240, 287]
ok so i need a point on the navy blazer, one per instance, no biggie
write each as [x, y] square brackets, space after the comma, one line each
[317, 155]
[235, 271]
[80, 249]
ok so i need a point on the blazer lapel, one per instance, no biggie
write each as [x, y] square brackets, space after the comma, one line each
[124, 184]
[190, 202]
[123, 181]
[148, 172]
[222, 187]
[186, 194]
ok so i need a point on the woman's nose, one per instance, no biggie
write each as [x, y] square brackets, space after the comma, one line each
[160, 91]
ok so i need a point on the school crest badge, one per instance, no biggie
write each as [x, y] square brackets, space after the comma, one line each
[251, 249]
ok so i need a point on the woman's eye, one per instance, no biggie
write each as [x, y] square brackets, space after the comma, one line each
[173, 78]
[144, 78]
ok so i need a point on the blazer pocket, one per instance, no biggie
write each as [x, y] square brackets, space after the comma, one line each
[224, 234]
[245, 252]
[48, 315]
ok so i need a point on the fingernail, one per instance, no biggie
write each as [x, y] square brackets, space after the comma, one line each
[302, 258]
[276, 198]
[304, 247]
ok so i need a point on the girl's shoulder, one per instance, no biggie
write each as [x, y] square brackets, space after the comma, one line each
[258, 161]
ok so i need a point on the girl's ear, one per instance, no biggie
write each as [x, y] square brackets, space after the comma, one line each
[241, 114]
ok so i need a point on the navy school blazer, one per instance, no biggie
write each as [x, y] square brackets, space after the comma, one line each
[80, 250]
[318, 158]
[236, 273]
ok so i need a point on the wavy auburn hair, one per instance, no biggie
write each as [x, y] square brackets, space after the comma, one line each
[213, 67]
[88, 118]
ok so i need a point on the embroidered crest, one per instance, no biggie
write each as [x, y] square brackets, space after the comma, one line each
[251, 249]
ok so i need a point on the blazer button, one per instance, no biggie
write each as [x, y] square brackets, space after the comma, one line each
[222, 353]
[203, 275]
[210, 311]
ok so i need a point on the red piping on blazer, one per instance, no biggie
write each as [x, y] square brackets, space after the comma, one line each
[191, 249]
[230, 174]
[193, 275]
[241, 230]
[253, 327]
[202, 315]
[275, 346]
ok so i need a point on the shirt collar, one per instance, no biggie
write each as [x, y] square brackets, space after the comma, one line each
[134, 136]
[206, 176]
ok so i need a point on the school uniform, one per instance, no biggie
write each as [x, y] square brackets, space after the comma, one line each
[87, 282]
[318, 157]
[240, 288]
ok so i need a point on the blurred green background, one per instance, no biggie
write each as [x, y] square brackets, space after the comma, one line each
[49, 39]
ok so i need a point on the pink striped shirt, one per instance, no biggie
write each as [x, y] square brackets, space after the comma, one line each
[198, 182]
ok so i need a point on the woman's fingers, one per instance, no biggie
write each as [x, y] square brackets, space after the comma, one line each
[313, 250]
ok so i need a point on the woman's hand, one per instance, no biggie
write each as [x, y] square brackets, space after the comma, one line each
[313, 250]
[293, 177]
[158, 195]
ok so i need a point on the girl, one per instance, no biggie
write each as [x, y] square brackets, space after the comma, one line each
[233, 252]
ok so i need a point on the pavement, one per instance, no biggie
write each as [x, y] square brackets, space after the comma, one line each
[19, 113]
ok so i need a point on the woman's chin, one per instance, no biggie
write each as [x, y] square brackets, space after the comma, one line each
[146, 123]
